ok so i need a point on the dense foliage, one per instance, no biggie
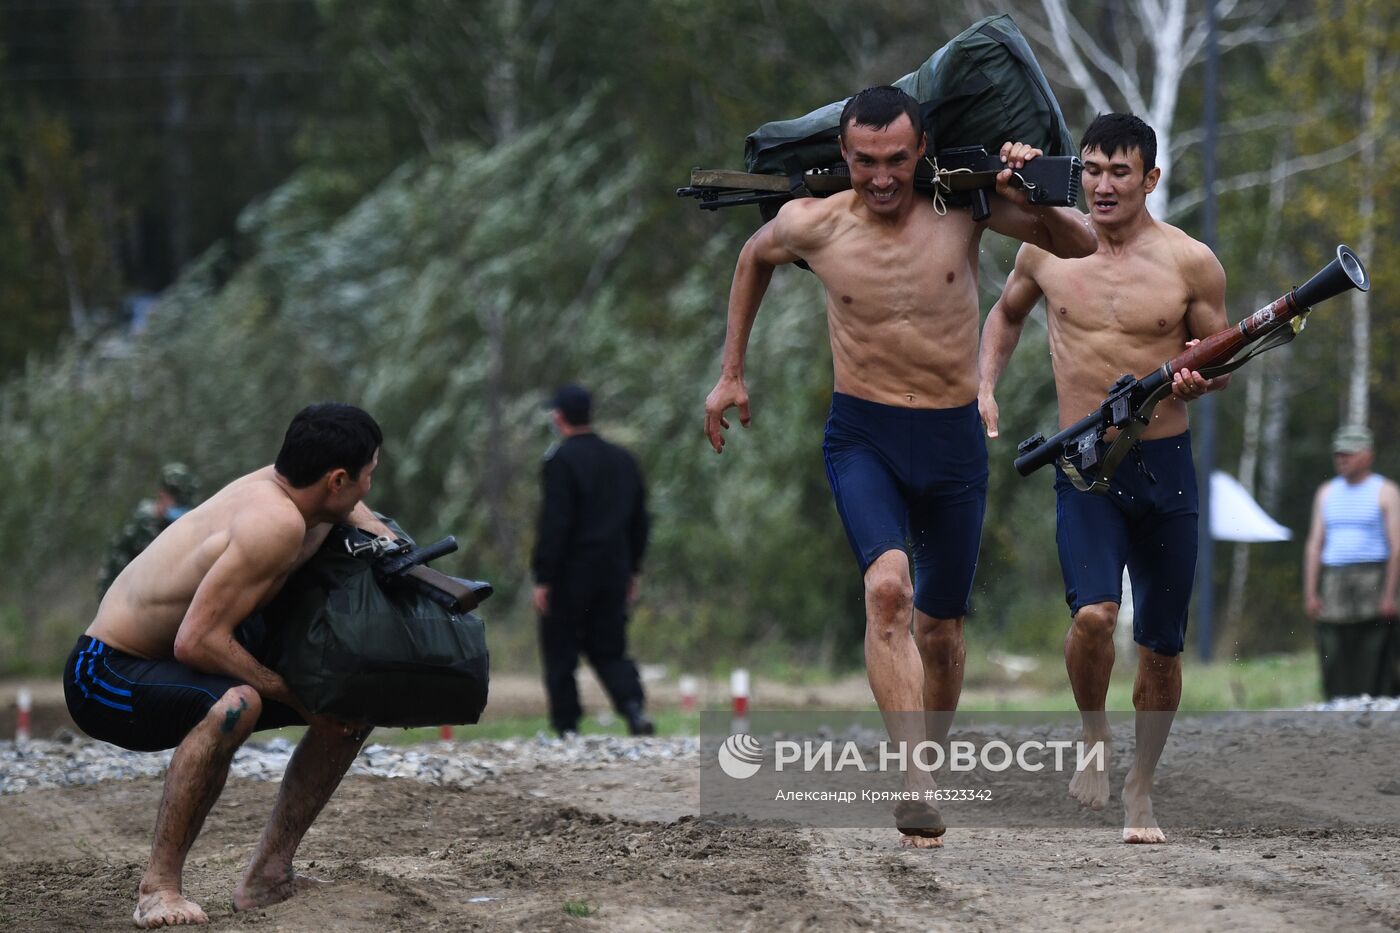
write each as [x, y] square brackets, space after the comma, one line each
[473, 203]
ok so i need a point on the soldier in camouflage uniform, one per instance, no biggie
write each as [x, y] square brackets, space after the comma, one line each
[178, 489]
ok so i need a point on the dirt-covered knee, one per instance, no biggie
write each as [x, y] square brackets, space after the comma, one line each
[890, 600]
[237, 711]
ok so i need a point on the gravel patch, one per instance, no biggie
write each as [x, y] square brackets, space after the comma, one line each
[69, 761]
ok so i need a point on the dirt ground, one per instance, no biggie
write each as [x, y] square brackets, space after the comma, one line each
[626, 840]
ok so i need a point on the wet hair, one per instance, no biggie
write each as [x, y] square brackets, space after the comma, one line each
[1111, 133]
[879, 107]
[324, 437]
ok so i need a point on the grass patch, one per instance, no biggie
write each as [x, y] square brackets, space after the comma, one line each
[1267, 682]
[577, 909]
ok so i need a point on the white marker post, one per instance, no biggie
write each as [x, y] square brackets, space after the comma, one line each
[689, 688]
[26, 703]
[739, 692]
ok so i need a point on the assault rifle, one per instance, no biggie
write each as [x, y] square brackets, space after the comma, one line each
[1130, 402]
[960, 177]
[399, 562]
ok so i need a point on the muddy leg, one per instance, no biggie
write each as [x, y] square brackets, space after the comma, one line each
[321, 759]
[1089, 659]
[194, 781]
[1156, 694]
[896, 672]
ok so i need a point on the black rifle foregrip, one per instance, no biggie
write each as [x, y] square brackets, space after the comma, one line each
[390, 566]
[1045, 453]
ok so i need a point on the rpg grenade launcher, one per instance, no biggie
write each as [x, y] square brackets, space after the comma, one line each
[1128, 407]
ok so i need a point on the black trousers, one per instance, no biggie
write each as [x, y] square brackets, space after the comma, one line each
[1359, 657]
[588, 616]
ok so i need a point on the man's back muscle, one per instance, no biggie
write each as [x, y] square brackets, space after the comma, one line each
[146, 604]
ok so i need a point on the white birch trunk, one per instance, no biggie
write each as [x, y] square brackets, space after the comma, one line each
[1358, 396]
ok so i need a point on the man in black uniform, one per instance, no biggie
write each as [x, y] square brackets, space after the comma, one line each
[593, 532]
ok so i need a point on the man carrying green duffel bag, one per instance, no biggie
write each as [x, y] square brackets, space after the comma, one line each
[168, 663]
[356, 637]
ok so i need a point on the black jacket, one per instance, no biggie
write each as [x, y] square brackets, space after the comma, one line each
[594, 513]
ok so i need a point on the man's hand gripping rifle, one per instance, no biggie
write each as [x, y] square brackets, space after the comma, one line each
[1128, 407]
[398, 562]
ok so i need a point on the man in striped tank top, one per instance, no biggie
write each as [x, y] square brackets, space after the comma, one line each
[1350, 569]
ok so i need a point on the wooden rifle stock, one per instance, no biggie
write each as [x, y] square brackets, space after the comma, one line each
[1222, 346]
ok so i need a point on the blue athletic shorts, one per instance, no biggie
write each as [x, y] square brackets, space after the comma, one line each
[914, 479]
[146, 705]
[1146, 521]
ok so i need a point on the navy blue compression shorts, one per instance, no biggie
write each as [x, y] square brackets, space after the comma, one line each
[1146, 521]
[146, 705]
[912, 479]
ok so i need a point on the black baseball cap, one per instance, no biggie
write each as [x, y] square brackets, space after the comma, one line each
[574, 403]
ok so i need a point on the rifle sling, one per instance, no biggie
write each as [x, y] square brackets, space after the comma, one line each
[1142, 416]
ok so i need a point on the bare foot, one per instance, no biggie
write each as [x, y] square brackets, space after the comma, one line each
[263, 892]
[166, 909]
[1090, 784]
[920, 842]
[1139, 824]
[920, 825]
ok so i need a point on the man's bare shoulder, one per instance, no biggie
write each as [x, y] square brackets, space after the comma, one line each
[261, 515]
[1321, 495]
[808, 223]
[1195, 260]
[1032, 261]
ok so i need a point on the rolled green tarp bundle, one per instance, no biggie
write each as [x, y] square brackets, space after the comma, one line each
[983, 88]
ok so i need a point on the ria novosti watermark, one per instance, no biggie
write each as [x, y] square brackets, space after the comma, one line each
[834, 768]
[741, 756]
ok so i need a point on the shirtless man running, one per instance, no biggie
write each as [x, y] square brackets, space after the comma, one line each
[904, 451]
[1148, 291]
[170, 662]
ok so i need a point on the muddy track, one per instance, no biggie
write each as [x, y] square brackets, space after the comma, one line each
[625, 841]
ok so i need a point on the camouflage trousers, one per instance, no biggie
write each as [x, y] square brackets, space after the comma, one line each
[1359, 651]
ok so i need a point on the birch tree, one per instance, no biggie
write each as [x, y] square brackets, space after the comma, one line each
[1135, 55]
[1348, 72]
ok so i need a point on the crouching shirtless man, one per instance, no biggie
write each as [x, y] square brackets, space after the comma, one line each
[170, 661]
[1141, 298]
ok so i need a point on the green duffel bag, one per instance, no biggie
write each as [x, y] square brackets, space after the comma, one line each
[349, 648]
[983, 88]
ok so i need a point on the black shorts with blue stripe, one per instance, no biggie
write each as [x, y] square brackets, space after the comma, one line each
[149, 705]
